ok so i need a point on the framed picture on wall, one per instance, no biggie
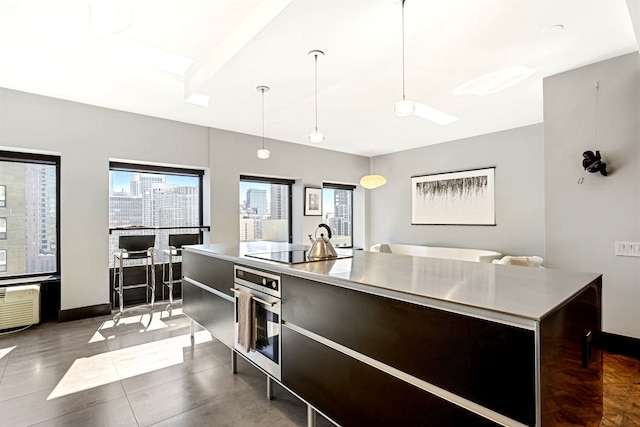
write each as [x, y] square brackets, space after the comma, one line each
[454, 198]
[312, 201]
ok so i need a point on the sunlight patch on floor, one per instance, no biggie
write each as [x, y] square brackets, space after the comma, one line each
[5, 351]
[85, 373]
[143, 323]
[95, 371]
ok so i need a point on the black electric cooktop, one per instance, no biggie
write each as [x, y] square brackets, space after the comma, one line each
[292, 257]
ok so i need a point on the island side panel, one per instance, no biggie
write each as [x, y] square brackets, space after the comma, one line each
[212, 312]
[353, 393]
[571, 361]
[486, 362]
[214, 272]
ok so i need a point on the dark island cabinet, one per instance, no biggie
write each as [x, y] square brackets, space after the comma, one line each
[213, 272]
[206, 294]
[571, 361]
[353, 393]
[484, 362]
[385, 339]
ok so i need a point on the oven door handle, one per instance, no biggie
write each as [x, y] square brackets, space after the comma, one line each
[237, 291]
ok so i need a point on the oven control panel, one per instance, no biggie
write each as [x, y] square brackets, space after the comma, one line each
[268, 283]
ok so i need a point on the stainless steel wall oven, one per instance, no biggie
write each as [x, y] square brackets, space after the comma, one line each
[265, 290]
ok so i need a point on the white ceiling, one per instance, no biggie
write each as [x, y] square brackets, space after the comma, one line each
[94, 53]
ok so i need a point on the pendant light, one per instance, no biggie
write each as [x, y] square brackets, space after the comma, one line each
[372, 181]
[263, 153]
[403, 107]
[316, 136]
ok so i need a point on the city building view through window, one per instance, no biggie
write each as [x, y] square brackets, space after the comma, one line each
[337, 213]
[264, 211]
[28, 217]
[144, 199]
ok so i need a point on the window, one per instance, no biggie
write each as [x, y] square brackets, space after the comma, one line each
[337, 212]
[265, 209]
[156, 200]
[29, 228]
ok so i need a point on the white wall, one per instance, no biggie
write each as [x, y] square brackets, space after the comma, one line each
[517, 155]
[233, 154]
[583, 221]
[86, 138]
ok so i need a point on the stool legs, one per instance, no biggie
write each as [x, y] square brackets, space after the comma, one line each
[171, 255]
[118, 278]
[120, 284]
[170, 285]
[153, 277]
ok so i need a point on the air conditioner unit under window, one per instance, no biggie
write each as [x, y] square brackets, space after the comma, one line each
[19, 306]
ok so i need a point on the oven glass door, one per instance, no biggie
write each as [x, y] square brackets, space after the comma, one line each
[267, 332]
[267, 325]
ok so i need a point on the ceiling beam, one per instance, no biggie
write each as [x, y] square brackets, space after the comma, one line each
[205, 68]
[634, 13]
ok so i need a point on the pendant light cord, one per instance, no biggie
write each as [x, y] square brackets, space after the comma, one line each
[262, 119]
[596, 119]
[263, 153]
[316, 73]
[403, 95]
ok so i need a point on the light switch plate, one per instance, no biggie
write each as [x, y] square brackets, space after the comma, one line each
[627, 248]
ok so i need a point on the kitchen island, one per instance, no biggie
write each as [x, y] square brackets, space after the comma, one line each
[384, 339]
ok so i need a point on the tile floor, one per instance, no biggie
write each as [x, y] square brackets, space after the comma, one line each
[143, 371]
[140, 371]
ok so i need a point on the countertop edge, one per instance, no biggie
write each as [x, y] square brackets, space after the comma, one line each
[516, 319]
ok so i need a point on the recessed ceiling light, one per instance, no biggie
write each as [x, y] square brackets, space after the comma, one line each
[198, 99]
[494, 81]
[552, 30]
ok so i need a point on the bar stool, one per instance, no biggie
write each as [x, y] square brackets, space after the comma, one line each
[134, 248]
[174, 254]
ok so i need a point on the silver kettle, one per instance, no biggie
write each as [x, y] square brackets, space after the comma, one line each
[322, 247]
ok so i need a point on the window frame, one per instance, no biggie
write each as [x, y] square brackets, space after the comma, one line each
[166, 170]
[3, 234]
[3, 264]
[349, 187]
[281, 181]
[42, 159]
[118, 166]
[3, 196]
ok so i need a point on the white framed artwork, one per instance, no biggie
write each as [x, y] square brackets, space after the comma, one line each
[454, 198]
[312, 201]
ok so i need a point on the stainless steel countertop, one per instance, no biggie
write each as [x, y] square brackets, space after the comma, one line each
[468, 287]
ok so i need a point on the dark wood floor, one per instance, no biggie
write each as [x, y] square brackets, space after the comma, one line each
[621, 391]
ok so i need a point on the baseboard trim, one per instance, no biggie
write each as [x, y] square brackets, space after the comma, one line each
[621, 344]
[84, 312]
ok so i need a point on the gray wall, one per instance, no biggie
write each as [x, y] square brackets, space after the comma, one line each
[86, 138]
[234, 154]
[583, 221]
[517, 155]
